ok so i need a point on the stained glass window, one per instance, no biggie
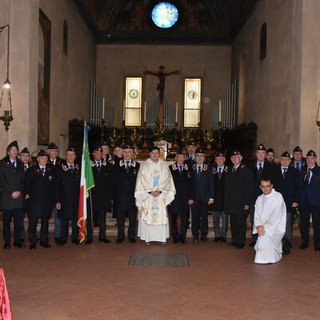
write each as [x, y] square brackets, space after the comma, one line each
[164, 15]
[133, 103]
[192, 101]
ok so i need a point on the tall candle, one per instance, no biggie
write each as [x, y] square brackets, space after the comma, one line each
[103, 106]
[124, 110]
[219, 110]
[177, 107]
[145, 112]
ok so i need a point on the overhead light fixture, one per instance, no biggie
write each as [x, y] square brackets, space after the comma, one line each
[6, 88]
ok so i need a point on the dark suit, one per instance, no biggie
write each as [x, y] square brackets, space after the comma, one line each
[238, 193]
[219, 181]
[40, 189]
[183, 184]
[289, 186]
[68, 189]
[100, 197]
[125, 183]
[310, 204]
[11, 179]
[57, 221]
[203, 190]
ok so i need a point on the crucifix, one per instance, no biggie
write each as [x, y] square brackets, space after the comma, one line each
[161, 74]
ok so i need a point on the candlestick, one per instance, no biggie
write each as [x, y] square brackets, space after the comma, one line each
[103, 106]
[177, 107]
[219, 111]
[124, 110]
[145, 112]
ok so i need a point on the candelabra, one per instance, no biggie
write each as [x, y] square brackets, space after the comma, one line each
[145, 144]
[175, 144]
[7, 117]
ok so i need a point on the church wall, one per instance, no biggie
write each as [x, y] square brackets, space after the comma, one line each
[310, 76]
[211, 63]
[70, 75]
[271, 87]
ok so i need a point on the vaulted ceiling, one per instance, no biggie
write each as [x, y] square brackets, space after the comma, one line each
[200, 21]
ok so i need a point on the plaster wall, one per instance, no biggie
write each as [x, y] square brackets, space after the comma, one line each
[271, 87]
[211, 63]
[310, 76]
[70, 75]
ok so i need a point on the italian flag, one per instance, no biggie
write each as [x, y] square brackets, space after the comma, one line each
[86, 183]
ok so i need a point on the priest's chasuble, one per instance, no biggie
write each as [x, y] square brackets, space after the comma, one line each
[270, 212]
[152, 211]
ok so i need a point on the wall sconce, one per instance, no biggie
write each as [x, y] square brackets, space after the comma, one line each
[6, 88]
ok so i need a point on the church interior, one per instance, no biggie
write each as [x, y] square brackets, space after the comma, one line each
[225, 73]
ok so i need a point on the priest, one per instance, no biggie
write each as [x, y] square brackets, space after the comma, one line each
[154, 191]
[269, 223]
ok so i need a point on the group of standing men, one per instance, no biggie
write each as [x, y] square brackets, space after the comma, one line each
[234, 191]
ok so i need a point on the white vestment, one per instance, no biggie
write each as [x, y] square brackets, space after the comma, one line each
[152, 211]
[271, 213]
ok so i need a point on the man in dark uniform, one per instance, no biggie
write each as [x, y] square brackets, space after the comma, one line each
[40, 187]
[67, 196]
[261, 168]
[310, 202]
[299, 162]
[202, 196]
[238, 195]
[11, 203]
[56, 162]
[290, 188]
[190, 161]
[24, 156]
[182, 178]
[220, 172]
[125, 176]
[100, 195]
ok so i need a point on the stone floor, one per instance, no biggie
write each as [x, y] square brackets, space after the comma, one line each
[95, 282]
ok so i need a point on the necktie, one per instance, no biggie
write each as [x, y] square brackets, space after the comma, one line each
[71, 168]
[199, 169]
[127, 166]
[284, 173]
[14, 163]
[25, 167]
[43, 171]
[297, 166]
[98, 164]
[220, 173]
[260, 167]
[180, 168]
[307, 177]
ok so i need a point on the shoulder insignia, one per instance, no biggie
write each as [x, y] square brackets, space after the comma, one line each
[174, 167]
[205, 167]
[64, 167]
[194, 167]
[121, 163]
[133, 163]
[92, 163]
[186, 167]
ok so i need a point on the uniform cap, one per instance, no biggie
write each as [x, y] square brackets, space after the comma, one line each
[311, 153]
[104, 143]
[297, 149]
[285, 155]
[97, 148]
[13, 144]
[126, 146]
[219, 153]
[71, 149]
[25, 150]
[191, 143]
[235, 153]
[199, 152]
[52, 146]
[42, 153]
[270, 150]
[181, 152]
[261, 147]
